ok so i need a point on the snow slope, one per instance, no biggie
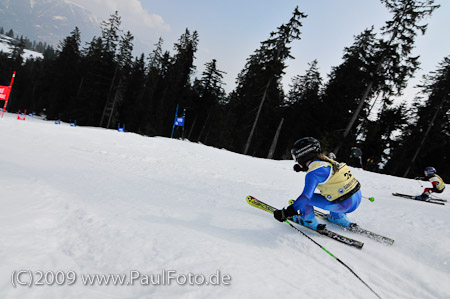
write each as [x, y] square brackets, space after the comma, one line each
[5, 47]
[96, 201]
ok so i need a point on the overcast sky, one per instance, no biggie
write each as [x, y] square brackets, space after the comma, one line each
[230, 30]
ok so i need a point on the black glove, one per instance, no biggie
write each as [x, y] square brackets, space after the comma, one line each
[297, 168]
[283, 214]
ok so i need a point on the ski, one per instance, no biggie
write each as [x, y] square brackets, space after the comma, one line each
[333, 235]
[430, 200]
[356, 229]
[438, 199]
[359, 230]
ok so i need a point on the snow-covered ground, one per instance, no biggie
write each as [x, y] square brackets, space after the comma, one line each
[5, 47]
[85, 201]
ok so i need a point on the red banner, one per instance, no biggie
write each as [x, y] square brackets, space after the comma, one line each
[4, 91]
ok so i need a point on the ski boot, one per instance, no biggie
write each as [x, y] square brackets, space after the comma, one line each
[340, 219]
[422, 197]
[309, 223]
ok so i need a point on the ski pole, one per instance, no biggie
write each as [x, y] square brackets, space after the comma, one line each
[335, 257]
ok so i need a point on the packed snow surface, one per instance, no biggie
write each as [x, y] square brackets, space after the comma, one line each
[79, 201]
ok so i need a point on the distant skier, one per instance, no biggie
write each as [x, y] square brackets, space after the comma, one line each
[339, 189]
[436, 181]
[356, 157]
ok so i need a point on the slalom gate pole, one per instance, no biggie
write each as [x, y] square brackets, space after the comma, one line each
[336, 258]
[173, 128]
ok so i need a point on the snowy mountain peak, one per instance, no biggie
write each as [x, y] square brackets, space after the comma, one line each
[48, 21]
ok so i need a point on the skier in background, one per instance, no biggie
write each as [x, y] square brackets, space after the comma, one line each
[436, 181]
[356, 157]
[339, 190]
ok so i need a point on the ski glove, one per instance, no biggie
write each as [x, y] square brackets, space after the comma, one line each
[297, 168]
[283, 214]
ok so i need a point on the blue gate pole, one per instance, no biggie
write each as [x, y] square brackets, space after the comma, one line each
[184, 115]
[173, 128]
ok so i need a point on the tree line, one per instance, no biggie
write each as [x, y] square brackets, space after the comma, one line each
[102, 84]
[26, 43]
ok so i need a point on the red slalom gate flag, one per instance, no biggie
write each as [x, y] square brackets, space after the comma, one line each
[5, 91]
[4, 95]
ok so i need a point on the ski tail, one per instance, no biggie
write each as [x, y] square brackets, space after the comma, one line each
[438, 199]
[359, 230]
[356, 229]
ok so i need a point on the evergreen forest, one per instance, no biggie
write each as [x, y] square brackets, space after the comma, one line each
[102, 84]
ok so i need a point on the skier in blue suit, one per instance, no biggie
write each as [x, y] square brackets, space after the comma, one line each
[339, 190]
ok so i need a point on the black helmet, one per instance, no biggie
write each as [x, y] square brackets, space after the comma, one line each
[305, 149]
[430, 171]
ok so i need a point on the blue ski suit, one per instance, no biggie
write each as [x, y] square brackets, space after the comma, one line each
[306, 202]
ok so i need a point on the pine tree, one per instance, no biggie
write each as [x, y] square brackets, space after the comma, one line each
[395, 63]
[149, 102]
[302, 105]
[306, 86]
[98, 70]
[66, 78]
[131, 112]
[111, 33]
[259, 85]
[125, 55]
[425, 142]
[111, 65]
[378, 141]
[209, 96]
[177, 80]
[123, 72]
[343, 90]
[17, 52]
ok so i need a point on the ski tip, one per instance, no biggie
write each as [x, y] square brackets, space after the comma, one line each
[250, 199]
